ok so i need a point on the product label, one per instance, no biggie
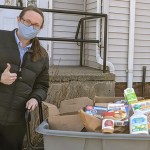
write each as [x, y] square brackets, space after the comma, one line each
[130, 95]
[121, 112]
[138, 120]
[108, 123]
[144, 107]
[96, 111]
[138, 125]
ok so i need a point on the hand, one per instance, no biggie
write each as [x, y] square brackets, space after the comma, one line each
[7, 77]
[31, 104]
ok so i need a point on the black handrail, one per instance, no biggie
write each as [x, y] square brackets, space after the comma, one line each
[80, 24]
[81, 43]
[143, 81]
[57, 11]
[96, 15]
[68, 40]
[105, 45]
[80, 21]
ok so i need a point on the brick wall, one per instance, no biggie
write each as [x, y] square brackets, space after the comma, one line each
[119, 89]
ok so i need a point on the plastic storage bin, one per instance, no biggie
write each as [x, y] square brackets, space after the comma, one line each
[69, 140]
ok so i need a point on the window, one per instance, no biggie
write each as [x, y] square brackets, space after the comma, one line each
[32, 3]
[10, 2]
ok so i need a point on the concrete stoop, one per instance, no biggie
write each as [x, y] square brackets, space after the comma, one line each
[68, 82]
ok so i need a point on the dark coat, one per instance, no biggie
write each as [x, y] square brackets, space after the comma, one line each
[32, 81]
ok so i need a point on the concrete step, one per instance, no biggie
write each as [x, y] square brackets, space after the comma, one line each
[68, 82]
[72, 73]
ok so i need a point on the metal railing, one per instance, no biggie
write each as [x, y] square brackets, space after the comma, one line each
[81, 25]
[81, 40]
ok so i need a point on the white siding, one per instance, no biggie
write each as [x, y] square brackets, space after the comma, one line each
[118, 36]
[66, 53]
[118, 32]
[90, 33]
[142, 40]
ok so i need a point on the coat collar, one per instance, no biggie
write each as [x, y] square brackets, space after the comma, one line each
[14, 32]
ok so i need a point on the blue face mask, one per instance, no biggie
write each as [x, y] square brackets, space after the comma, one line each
[26, 32]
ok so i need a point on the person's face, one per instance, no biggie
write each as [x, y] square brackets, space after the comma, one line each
[31, 18]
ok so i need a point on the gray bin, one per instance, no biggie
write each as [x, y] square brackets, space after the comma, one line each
[70, 140]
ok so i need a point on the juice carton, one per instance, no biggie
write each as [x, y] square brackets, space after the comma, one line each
[130, 95]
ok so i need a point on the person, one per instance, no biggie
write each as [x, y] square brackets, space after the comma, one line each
[24, 76]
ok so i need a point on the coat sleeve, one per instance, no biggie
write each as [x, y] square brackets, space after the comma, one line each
[41, 85]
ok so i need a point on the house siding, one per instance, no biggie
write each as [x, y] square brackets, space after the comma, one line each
[118, 35]
[142, 40]
[90, 33]
[66, 53]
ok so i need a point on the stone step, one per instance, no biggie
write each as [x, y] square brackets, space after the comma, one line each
[77, 73]
[68, 82]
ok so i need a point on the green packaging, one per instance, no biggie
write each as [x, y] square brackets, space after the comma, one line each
[130, 95]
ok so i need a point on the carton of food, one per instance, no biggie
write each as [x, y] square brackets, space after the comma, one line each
[130, 95]
[96, 111]
[143, 106]
[121, 112]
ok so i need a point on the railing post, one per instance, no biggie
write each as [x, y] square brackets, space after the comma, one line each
[143, 81]
[81, 43]
[105, 45]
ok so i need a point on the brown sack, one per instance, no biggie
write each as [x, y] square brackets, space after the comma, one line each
[52, 109]
[75, 104]
[66, 122]
[106, 99]
[91, 123]
[67, 117]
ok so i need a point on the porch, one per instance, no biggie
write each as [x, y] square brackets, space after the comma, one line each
[74, 81]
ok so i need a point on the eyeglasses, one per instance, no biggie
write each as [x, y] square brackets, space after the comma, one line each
[28, 24]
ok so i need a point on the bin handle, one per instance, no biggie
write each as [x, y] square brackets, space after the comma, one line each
[40, 111]
[28, 119]
[27, 115]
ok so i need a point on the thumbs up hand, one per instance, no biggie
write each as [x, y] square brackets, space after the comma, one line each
[7, 77]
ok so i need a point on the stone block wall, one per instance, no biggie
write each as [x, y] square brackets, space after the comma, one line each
[72, 89]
